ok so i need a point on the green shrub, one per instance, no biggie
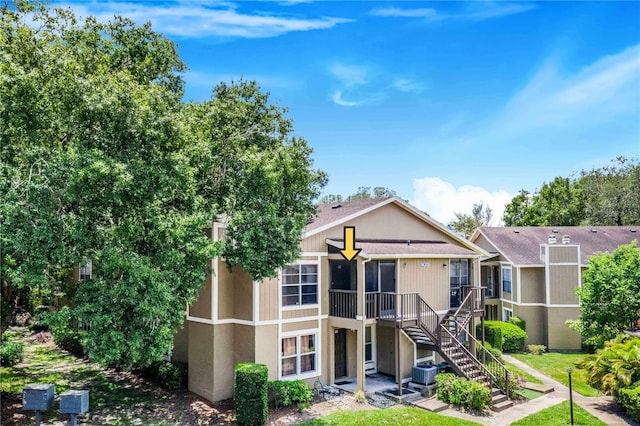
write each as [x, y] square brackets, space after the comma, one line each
[170, 375]
[460, 391]
[513, 337]
[536, 349]
[251, 392]
[518, 322]
[64, 329]
[288, 392]
[492, 335]
[10, 353]
[629, 399]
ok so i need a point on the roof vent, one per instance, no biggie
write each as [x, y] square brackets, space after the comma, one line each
[594, 230]
[515, 231]
[551, 239]
[555, 231]
[566, 239]
[408, 242]
[337, 206]
[632, 230]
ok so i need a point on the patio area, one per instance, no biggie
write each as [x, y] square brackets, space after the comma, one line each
[374, 383]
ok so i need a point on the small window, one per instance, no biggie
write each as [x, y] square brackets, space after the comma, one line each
[300, 285]
[298, 355]
[86, 270]
[506, 280]
[506, 314]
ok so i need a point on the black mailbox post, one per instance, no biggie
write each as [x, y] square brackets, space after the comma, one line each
[74, 402]
[38, 397]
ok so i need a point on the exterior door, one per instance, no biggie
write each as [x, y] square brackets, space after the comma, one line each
[340, 352]
[387, 273]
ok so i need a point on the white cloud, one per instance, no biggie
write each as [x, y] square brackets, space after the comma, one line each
[476, 11]
[204, 19]
[441, 200]
[407, 85]
[337, 98]
[600, 92]
[406, 13]
[349, 75]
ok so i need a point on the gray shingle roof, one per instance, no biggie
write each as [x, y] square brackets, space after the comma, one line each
[522, 244]
[414, 248]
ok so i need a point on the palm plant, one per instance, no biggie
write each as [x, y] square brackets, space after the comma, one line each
[614, 367]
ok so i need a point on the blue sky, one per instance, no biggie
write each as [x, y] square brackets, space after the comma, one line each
[447, 103]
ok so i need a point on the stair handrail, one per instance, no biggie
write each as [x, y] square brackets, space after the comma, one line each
[424, 310]
[502, 372]
[470, 356]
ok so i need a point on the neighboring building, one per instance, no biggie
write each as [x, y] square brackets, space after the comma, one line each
[533, 273]
[327, 318]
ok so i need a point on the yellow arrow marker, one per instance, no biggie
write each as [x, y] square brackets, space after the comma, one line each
[350, 251]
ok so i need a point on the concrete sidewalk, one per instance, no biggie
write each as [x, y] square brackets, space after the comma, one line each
[601, 407]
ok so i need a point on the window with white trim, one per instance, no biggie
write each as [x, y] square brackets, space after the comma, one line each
[506, 314]
[506, 280]
[298, 355]
[300, 285]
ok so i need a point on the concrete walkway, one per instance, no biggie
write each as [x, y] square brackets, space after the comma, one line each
[601, 407]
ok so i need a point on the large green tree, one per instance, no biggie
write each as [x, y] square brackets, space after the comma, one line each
[601, 196]
[101, 160]
[466, 223]
[610, 295]
[363, 193]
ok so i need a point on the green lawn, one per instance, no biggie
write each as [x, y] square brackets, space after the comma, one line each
[517, 371]
[560, 415]
[555, 364]
[389, 416]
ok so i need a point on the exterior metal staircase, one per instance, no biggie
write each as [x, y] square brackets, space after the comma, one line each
[450, 337]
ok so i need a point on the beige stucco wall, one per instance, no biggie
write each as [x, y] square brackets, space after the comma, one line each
[268, 293]
[201, 308]
[563, 280]
[181, 344]
[267, 348]
[428, 278]
[375, 224]
[201, 360]
[532, 285]
[536, 323]
[561, 337]
[226, 290]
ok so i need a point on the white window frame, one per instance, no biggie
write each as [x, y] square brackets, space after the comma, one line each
[506, 314]
[298, 355]
[300, 305]
[372, 363]
[502, 281]
[85, 270]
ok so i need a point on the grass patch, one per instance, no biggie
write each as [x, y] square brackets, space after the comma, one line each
[529, 394]
[390, 416]
[560, 415]
[518, 372]
[555, 364]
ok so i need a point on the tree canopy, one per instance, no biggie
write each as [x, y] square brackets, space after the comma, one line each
[466, 223]
[100, 159]
[363, 193]
[610, 295]
[601, 196]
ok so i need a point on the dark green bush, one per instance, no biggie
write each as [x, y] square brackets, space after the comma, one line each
[513, 337]
[170, 375]
[497, 353]
[64, 329]
[460, 391]
[10, 353]
[519, 322]
[492, 335]
[288, 392]
[629, 399]
[251, 393]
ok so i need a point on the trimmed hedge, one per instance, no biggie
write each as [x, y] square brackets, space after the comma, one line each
[629, 399]
[492, 335]
[10, 353]
[513, 337]
[517, 321]
[251, 393]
